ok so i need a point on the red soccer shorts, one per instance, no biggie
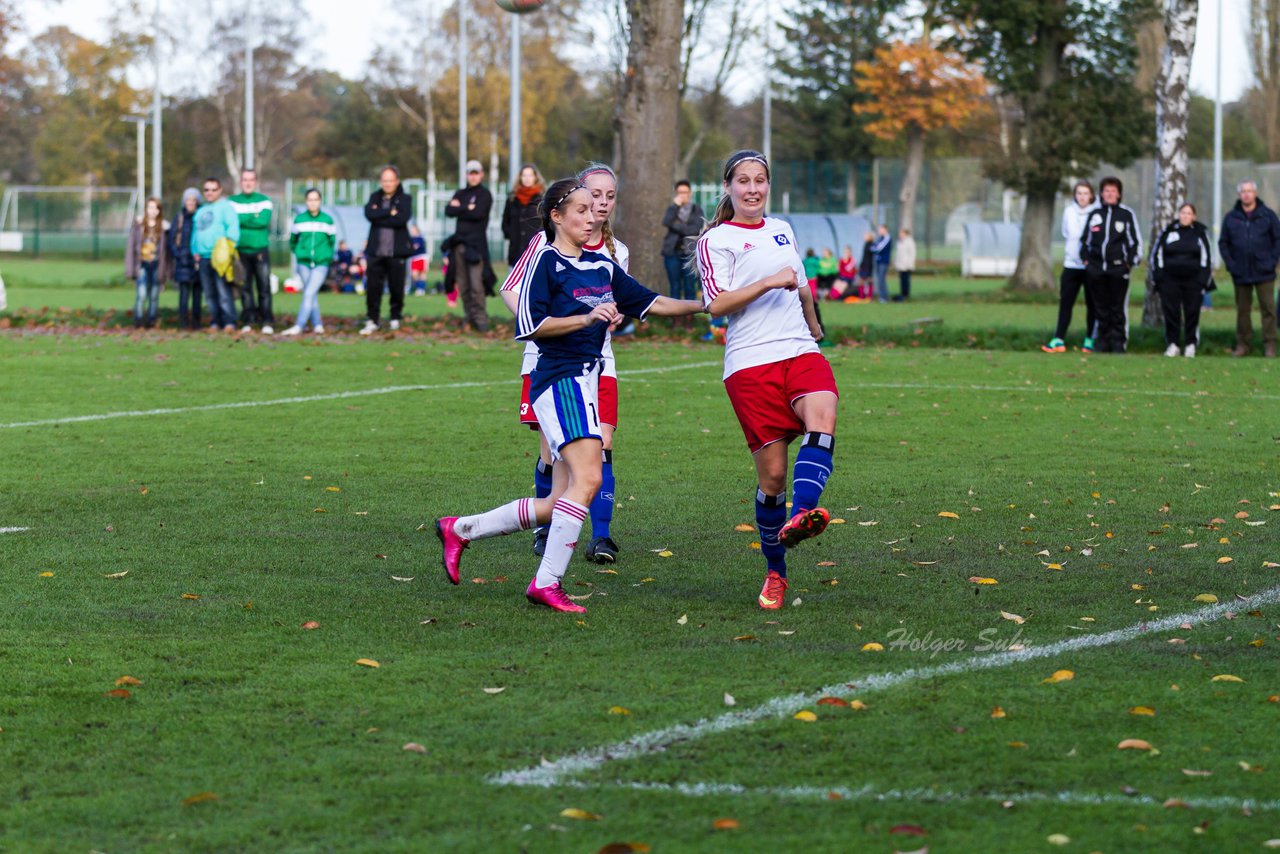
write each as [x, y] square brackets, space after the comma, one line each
[763, 396]
[608, 403]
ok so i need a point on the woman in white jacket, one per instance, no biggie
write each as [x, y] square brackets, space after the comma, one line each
[1073, 275]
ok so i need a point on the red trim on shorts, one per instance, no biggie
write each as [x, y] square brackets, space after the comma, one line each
[607, 392]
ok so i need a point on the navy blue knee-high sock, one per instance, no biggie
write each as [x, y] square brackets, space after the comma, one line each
[813, 467]
[602, 504]
[771, 513]
[542, 484]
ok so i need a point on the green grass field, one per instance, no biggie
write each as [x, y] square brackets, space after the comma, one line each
[286, 482]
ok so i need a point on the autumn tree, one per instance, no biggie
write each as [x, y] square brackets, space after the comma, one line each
[912, 90]
[1066, 67]
[1264, 51]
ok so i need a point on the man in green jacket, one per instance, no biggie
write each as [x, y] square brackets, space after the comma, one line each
[254, 210]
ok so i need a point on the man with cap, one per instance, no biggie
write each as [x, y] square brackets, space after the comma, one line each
[469, 245]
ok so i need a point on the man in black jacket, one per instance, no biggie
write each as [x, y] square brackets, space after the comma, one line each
[1110, 247]
[683, 221]
[1250, 247]
[471, 206]
[389, 210]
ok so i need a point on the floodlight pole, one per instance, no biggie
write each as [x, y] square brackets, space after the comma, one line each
[156, 98]
[513, 154]
[1217, 133]
[462, 93]
[248, 87]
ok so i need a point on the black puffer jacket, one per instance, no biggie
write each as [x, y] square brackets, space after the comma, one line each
[1250, 244]
[389, 213]
[1182, 252]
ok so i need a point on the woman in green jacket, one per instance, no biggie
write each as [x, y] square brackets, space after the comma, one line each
[311, 239]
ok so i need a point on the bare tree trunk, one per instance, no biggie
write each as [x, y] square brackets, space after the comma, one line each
[1264, 18]
[911, 178]
[1173, 106]
[649, 106]
[231, 148]
[1035, 268]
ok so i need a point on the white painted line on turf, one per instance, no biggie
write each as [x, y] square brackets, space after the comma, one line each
[340, 395]
[869, 793]
[555, 773]
[12, 530]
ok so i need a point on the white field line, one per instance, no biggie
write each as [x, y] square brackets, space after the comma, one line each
[13, 530]
[555, 773]
[340, 395]
[868, 793]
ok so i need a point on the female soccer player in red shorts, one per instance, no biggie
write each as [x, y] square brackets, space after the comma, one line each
[780, 385]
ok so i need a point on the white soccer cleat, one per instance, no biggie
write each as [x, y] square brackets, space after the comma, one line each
[1190, 352]
[1172, 350]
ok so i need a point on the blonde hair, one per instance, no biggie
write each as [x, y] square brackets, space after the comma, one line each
[724, 207]
[606, 228]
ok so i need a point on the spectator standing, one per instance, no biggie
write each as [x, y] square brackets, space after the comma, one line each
[904, 261]
[882, 252]
[866, 266]
[146, 261]
[254, 210]
[1073, 277]
[470, 206]
[419, 262]
[1182, 267]
[311, 239]
[1110, 247]
[683, 221]
[182, 262]
[520, 217]
[216, 222]
[389, 210]
[1250, 248]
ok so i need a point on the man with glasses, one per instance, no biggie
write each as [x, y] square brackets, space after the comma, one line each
[1250, 248]
[470, 244]
[254, 210]
[215, 220]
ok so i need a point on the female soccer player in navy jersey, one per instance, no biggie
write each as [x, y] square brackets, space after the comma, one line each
[603, 184]
[780, 385]
[569, 299]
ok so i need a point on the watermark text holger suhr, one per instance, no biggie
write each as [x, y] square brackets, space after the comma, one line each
[988, 640]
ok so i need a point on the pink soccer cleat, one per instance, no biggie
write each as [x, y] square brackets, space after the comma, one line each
[553, 597]
[802, 526]
[453, 544]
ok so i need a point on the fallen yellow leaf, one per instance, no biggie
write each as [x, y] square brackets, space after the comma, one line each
[494, 690]
[1224, 560]
[947, 514]
[414, 747]
[128, 680]
[190, 596]
[1134, 744]
[836, 521]
[1018, 745]
[978, 579]
[1226, 677]
[580, 815]
[725, 824]
[744, 528]
[872, 647]
[857, 705]
[1142, 710]
[333, 489]
[806, 716]
[998, 712]
[117, 574]
[684, 618]
[46, 574]
[1053, 566]
[1206, 597]
[367, 662]
[310, 624]
[619, 710]
[666, 553]
[1060, 676]
[201, 798]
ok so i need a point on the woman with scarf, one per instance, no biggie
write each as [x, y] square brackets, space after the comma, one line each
[520, 218]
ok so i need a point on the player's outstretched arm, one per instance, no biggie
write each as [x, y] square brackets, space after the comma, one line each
[554, 327]
[727, 302]
[668, 307]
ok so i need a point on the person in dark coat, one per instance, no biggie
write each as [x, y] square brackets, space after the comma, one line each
[389, 210]
[1250, 248]
[1110, 247]
[183, 262]
[470, 206]
[684, 221]
[1182, 268]
[520, 218]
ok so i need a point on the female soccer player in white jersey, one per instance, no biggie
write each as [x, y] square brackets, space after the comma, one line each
[779, 383]
[569, 298]
[603, 184]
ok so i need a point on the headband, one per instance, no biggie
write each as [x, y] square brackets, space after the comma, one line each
[575, 188]
[742, 157]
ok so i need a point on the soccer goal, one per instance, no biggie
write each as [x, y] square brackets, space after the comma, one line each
[82, 220]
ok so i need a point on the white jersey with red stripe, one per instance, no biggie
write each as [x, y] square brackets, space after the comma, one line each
[772, 327]
[530, 358]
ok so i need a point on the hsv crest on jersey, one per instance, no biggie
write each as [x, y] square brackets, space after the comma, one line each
[782, 239]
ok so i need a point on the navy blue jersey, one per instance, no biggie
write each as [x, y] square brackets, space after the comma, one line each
[558, 286]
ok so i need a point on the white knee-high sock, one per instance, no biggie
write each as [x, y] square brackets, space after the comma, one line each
[566, 524]
[507, 519]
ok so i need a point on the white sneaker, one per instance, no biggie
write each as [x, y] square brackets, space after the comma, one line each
[369, 328]
[1190, 352]
[292, 330]
[1172, 350]
[268, 330]
[246, 328]
[317, 330]
[395, 324]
